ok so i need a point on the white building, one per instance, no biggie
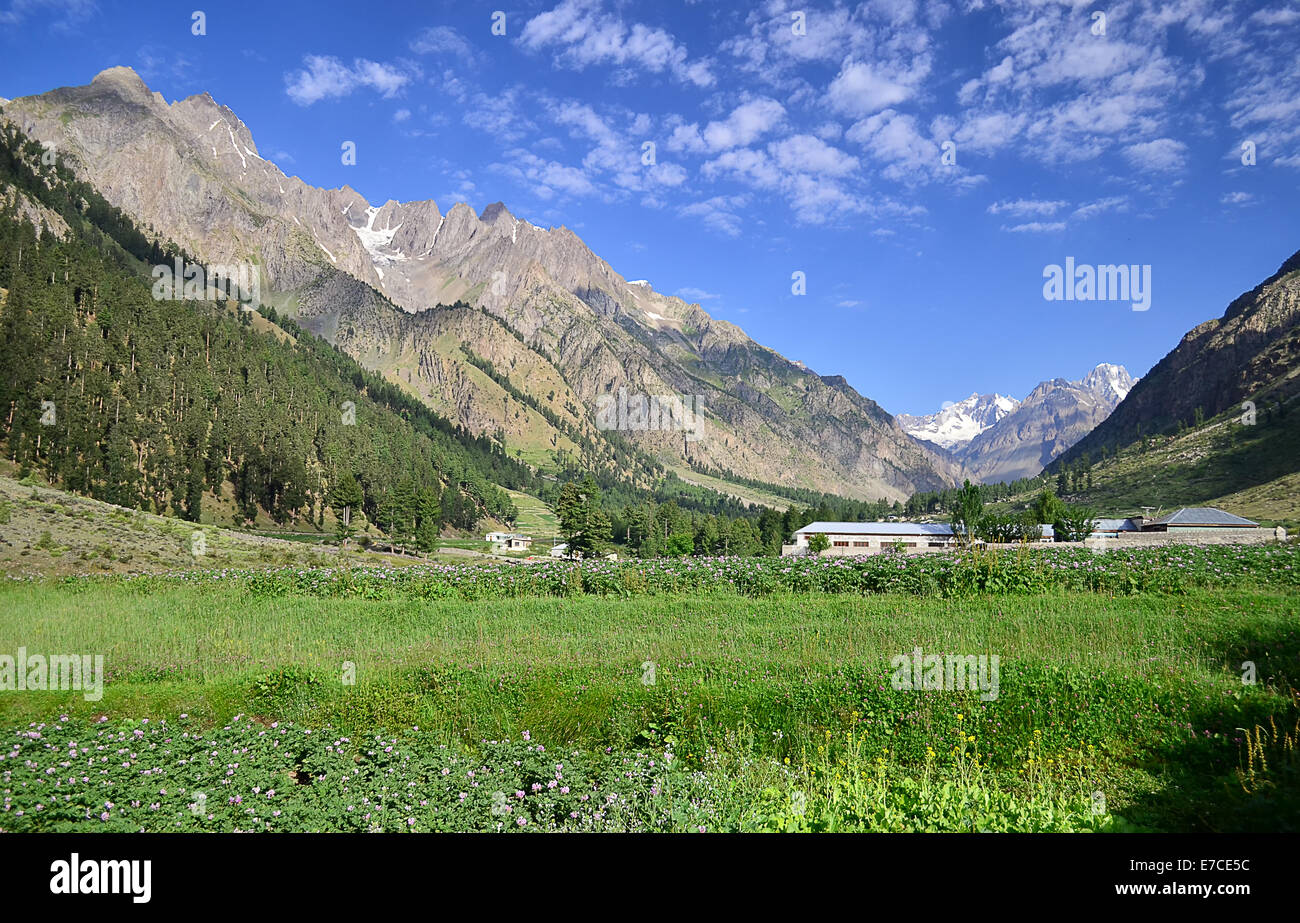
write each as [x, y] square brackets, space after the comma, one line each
[850, 538]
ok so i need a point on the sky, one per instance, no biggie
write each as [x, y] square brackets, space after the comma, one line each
[921, 164]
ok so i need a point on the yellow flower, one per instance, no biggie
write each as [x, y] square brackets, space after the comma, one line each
[960, 717]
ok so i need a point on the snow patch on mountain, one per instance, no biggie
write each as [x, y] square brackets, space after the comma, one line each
[957, 424]
[376, 240]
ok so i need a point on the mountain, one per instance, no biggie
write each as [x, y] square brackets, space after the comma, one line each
[957, 424]
[998, 438]
[1252, 353]
[1056, 415]
[1213, 423]
[202, 408]
[509, 329]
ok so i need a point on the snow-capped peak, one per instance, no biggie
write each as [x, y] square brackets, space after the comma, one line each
[1110, 379]
[958, 423]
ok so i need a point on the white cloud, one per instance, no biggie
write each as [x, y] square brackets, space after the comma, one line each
[908, 156]
[1035, 227]
[695, 295]
[807, 154]
[586, 35]
[499, 114]
[748, 165]
[1021, 208]
[816, 200]
[1161, 155]
[544, 178]
[718, 213]
[618, 150]
[1237, 198]
[443, 40]
[327, 77]
[66, 13]
[746, 124]
[859, 90]
[1101, 206]
[988, 132]
[1277, 17]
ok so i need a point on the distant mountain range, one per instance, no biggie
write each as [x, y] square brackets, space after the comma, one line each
[998, 438]
[957, 424]
[543, 327]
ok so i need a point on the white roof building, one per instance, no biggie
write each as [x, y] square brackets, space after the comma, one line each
[851, 538]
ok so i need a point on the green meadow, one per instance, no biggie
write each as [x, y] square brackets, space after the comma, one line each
[708, 711]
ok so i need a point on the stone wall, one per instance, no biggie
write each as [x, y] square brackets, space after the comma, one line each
[1152, 539]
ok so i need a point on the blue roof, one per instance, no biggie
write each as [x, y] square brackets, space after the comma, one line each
[1114, 525]
[876, 528]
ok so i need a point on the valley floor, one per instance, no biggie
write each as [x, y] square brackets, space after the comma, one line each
[227, 709]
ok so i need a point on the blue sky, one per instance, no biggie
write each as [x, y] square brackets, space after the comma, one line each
[786, 144]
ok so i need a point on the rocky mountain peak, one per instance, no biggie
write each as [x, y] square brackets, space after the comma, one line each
[495, 213]
[125, 83]
[120, 76]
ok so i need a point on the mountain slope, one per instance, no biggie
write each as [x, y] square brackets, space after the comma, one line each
[1252, 352]
[191, 170]
[198, 406]
[1185, 434]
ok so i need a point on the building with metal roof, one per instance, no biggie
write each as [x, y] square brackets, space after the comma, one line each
[1192, 518]
[1113, 527]
[852, 538]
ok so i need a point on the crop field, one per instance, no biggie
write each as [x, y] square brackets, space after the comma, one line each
[1152, 690]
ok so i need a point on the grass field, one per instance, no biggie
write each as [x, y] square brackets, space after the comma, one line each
[752, 495]
[535, 517]
[675, 712]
